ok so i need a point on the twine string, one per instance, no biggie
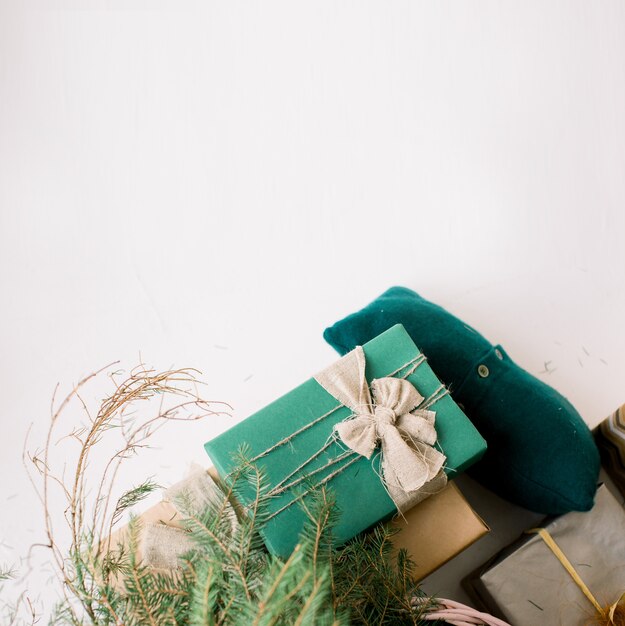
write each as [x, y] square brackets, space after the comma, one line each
[325, 480]
[286, 484]
[277, 491]
[440, 392]
[292, 436]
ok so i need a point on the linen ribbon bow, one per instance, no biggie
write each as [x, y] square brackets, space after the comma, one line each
[387, 416]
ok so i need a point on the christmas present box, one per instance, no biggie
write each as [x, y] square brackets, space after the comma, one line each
[377, 427]
[438, 529]
[610, 438]
[569, 572]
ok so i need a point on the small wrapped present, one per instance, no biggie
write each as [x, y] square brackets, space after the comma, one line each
[610, 438]
[567, 573]
[438, 529]
[377, 427]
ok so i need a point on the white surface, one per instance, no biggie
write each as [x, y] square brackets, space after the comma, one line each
[211, 184]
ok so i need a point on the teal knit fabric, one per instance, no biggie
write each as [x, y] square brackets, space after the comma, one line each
[541, 455]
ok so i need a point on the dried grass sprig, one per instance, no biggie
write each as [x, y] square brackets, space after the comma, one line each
[141, 402]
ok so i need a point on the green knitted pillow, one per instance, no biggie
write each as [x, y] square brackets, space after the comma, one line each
[541, 455]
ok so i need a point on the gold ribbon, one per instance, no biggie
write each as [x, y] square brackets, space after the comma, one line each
[605, 613]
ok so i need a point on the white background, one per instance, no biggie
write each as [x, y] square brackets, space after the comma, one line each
[211, 184]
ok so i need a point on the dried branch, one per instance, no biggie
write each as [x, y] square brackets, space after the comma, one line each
[140, 403]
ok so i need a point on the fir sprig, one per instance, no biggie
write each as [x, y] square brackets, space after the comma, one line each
[132, 497]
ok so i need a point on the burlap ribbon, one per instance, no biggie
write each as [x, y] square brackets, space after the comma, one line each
[163, 543]
[387, 416]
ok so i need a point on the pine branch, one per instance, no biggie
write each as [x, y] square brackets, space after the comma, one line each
[202, 609]
[132, 497]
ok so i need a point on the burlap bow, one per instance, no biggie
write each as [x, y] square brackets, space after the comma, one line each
[411, 466]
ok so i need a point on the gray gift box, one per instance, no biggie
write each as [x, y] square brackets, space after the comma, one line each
[527, 585]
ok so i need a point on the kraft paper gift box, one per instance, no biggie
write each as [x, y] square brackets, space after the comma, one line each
[610, 438]
[294, 441]
[436, 530]
[527, 584]
[432, 532]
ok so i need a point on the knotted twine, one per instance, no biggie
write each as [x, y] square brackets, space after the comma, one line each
[389, 415]
[346, 378]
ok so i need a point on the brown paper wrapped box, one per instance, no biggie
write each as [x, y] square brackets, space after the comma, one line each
[527, 585]
[438, 529]
[433, 532]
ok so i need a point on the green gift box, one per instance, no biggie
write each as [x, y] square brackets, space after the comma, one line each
[293, 440]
